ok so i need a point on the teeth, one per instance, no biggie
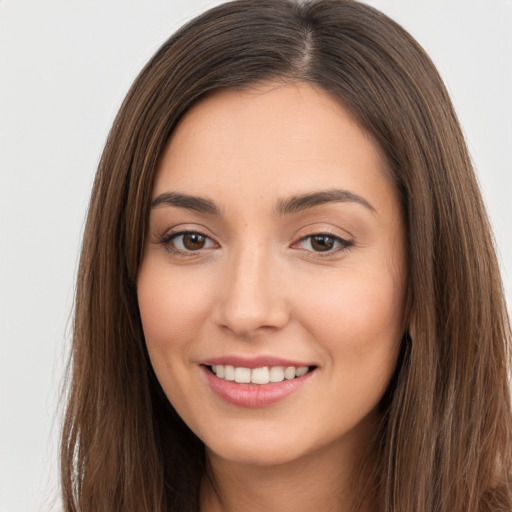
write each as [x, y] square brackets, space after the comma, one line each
[299, 372]
[262, 375]
[229, 372]
[243, 375]
[289, 373]
[276, 374]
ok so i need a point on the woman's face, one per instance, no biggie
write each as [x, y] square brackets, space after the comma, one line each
[275, 247]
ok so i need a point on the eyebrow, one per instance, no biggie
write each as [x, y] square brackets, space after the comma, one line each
[284, 207]
[198, 204]
[304, 201]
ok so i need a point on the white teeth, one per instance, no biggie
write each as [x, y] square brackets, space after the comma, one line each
[243, 375]
[276, 374]
[229, 372]
[289, 373]
[299, 372]
[262, 375]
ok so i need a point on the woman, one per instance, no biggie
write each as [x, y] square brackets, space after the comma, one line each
[288, 296]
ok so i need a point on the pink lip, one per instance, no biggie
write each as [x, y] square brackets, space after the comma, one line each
[254, 395]
[253, 362]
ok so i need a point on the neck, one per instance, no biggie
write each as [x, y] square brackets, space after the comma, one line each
[323, 480]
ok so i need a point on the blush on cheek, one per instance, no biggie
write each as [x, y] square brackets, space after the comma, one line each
[354, 316]
[170, 308]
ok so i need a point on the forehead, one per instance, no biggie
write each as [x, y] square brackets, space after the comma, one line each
[274, 140]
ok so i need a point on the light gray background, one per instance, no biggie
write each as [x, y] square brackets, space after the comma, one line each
[65, 67]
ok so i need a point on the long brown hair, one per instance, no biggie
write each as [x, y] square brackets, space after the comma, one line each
[444, 440]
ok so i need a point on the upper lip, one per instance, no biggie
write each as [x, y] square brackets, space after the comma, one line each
[253, 362]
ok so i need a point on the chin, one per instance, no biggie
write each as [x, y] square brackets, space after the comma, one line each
[266, 449]
[255, 455]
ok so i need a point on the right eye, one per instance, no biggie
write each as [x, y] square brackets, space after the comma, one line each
[184, 242]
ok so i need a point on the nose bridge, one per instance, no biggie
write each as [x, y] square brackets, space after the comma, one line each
[252, 298]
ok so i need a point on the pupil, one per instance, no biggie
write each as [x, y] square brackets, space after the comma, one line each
[193, 241]
[322, 242]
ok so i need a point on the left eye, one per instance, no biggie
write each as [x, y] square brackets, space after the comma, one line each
[323, 242]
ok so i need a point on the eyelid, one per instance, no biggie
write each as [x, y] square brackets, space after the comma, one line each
[184, 228]
[323, 227]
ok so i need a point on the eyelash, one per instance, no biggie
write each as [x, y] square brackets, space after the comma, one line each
[168, 242]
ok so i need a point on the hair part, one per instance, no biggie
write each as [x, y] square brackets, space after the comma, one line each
[444, 440]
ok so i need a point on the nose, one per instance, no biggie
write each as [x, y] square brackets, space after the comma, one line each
[252, 299]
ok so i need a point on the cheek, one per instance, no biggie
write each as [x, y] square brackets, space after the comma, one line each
[171, 307]
[173, 310]
[359, 327]
[357, 303]
[361, 318]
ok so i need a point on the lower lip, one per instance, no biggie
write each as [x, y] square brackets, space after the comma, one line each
[254, 395]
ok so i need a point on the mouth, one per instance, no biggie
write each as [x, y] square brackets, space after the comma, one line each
[256, 386]
[256, 381]
[258, 376]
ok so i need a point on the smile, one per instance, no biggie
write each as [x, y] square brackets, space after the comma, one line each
[255, 385]
[263, 375]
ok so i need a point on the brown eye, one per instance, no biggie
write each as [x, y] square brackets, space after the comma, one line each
[322, 242]
[193, 241]
[186, 242]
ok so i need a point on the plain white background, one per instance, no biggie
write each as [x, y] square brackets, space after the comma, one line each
[65, 67]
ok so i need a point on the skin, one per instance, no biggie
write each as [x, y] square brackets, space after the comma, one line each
[260, 287]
